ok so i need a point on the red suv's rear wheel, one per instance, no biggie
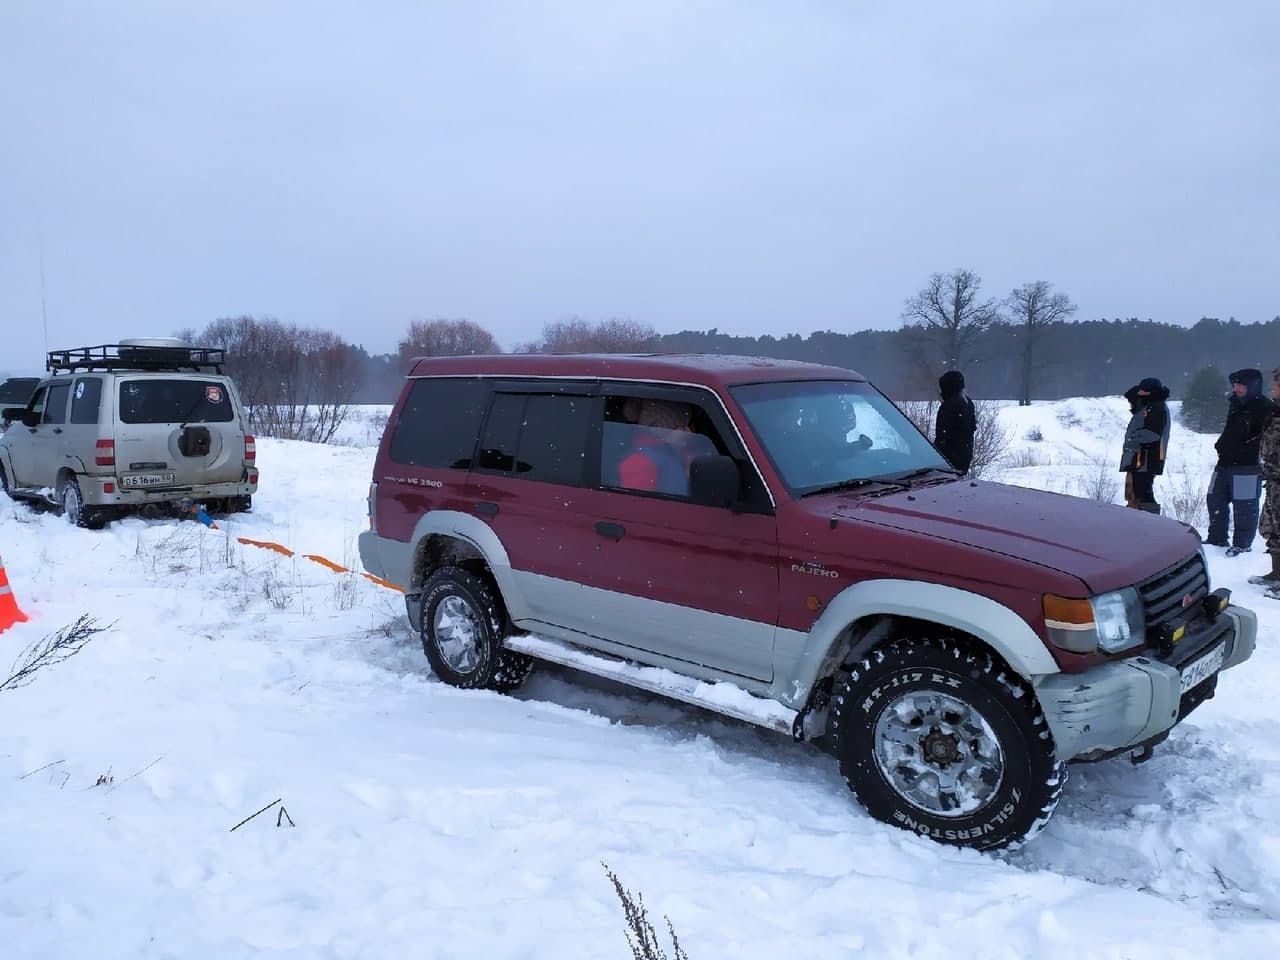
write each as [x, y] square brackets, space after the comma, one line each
[940, 738]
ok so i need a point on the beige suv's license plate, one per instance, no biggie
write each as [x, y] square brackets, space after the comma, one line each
[147, 480]
[1202, 669]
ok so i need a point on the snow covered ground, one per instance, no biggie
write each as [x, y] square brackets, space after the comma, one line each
[432, 822]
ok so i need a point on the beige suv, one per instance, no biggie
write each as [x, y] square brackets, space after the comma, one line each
[144, 425]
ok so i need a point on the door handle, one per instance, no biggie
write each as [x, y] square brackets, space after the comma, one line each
[611, 531]
[487, 509]
[57, 429]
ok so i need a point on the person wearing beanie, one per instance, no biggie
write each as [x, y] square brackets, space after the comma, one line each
[1146, 442]
[1236, 485]
[1269, 525]
[956, 423]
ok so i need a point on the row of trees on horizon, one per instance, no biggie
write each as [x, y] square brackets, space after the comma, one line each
[1025, 346]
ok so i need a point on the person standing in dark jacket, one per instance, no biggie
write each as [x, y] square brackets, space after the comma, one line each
[957, 422]
[1237, 482]
[1269, 525]
[1146, 441]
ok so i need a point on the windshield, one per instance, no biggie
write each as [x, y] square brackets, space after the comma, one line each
[824, 434]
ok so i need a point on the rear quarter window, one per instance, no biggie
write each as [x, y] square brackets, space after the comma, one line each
[85, 399]
[439, 422]
[174, 401]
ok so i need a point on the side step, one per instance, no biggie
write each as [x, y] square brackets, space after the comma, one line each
[722, 698]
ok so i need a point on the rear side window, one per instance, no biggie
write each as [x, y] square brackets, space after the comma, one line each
[439, 422]
[501, 438]
[174, 401]
[85, 400]
[55, 410]
[538, 436]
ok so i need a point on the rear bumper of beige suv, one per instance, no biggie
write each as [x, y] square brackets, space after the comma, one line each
[1127, 704]
[94, 495]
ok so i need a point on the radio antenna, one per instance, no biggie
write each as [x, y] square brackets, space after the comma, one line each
[44, 313]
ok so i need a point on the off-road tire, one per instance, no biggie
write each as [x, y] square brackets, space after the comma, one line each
[495, 667]
[1032, 778]
[73, 508]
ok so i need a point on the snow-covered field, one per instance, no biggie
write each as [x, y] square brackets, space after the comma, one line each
[431, 822]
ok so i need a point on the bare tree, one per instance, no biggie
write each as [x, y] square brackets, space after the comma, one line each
[445, 338]
[990, 439]
[946, 318]
[295, 382]
[578, 335]
[1034, 308]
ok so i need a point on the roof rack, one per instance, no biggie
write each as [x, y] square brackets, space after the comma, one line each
[132, 356]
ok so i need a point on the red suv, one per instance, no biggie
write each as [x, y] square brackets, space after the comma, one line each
[776, 542]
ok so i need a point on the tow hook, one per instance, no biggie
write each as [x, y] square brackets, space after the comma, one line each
[1143, 755]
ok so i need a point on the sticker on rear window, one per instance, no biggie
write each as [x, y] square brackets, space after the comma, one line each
[213, 394]
[80, 390]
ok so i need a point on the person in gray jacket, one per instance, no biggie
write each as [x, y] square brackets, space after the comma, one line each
[1146, 441]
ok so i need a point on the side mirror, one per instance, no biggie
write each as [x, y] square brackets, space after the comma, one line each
[28, 418]
[714, 481]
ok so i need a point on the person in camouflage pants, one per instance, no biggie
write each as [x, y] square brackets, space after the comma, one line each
[1269, 522]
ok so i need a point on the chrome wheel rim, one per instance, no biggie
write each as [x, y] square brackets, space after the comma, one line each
[456, 629]
[938, 753]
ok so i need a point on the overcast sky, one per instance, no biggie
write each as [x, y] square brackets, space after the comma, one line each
[752, 166]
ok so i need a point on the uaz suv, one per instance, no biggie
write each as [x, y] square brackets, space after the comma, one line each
[142, 425]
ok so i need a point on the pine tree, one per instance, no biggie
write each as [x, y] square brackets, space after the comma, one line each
[1204, 407]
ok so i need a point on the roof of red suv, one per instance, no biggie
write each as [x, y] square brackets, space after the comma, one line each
[699, 368]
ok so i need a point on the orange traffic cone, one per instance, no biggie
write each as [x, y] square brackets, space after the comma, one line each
[9, 612]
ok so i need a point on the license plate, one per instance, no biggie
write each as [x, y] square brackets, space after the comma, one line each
[147, 480]
[1202, 669]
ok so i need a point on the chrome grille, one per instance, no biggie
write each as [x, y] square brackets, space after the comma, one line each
[1163, 594]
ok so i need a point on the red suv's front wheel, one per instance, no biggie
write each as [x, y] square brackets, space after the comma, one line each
[463, 625]
[940, 738]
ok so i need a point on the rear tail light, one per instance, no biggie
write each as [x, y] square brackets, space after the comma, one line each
[250, 449]
[104, 454]
[373, 507]
[108, 488]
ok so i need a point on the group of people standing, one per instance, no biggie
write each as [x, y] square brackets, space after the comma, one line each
[1248, 454]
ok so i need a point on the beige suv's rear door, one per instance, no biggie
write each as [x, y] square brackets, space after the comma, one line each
[177, 430]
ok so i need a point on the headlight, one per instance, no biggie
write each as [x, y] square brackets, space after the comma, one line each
[1119, 619]
[1109, 622]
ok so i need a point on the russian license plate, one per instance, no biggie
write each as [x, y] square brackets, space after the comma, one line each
[147, 480]
[1202, 669]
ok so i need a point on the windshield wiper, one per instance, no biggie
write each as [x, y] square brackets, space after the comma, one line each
[186, 418]
[951, 474]
[857, 484]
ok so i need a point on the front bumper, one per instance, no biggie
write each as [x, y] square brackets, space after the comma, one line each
[1127, 703]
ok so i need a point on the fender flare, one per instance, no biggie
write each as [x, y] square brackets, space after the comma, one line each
[472, 530]
[994, 624]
